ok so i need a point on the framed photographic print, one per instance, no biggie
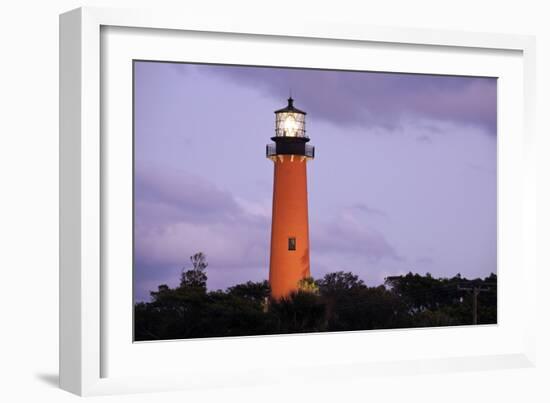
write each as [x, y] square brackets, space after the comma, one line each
[235, 196]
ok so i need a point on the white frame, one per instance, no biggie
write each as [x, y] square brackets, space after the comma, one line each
[81, 306]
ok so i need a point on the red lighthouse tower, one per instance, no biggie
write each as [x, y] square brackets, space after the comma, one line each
[289, 261]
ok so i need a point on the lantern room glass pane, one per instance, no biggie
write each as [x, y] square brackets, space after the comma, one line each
[289, 124]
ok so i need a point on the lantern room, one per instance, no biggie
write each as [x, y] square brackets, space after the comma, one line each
[290, 122]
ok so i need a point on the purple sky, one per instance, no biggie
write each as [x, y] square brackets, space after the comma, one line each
[404, 177]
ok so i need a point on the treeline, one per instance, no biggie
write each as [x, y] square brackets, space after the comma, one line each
[340, 301]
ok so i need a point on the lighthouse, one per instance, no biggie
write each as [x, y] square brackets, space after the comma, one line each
[289, 259]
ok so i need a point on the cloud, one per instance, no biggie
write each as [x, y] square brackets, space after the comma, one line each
[346, 236]
[226, 245]
[363, 208]
[370, 99]
[178, 195]
[178, 214]
[424, 139]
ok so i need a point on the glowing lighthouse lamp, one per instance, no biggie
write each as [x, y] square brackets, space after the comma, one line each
[289, 260]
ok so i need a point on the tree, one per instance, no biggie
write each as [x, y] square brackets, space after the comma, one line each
[339, 282]
[424, 292]
[196, 277]
[250, 290]
[308, 284]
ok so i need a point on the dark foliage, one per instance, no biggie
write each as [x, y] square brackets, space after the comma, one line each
[339, 301]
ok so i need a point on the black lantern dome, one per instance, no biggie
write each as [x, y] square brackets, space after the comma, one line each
[290, 133]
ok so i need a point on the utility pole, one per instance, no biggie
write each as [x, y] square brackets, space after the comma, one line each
[475, 290]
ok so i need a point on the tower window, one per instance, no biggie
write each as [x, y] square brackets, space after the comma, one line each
[292, 243]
